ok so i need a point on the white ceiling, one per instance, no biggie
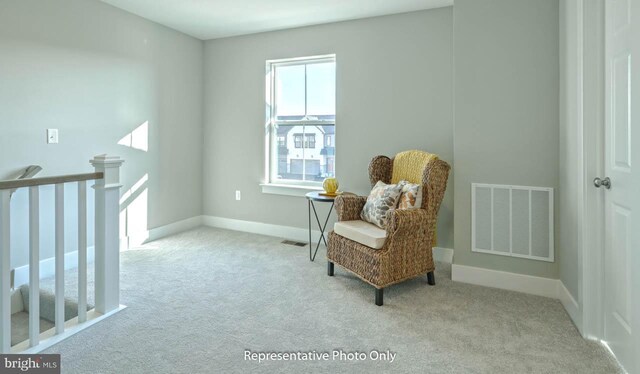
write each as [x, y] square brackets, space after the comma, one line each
[211, 19]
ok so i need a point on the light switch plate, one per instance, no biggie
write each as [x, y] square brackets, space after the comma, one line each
[52, 136]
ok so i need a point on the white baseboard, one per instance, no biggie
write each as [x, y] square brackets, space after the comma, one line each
[508, 281]
[174, 228]
[570, 305]
[294, 233]
[48, 266]
[139, 238]
[279, 231]
[553, 288]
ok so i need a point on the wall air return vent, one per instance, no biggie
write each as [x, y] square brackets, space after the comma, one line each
[512, 221]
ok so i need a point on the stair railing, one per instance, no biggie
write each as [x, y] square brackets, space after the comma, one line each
[107, 256]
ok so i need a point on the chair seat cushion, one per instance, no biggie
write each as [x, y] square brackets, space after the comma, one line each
[362, 232]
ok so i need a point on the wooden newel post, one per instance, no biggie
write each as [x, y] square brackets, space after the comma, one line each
[107, 234]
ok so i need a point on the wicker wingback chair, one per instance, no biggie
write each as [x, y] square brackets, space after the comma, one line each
[407, 249]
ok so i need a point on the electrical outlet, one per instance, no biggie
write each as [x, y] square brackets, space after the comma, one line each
[52, 136]
[238, 196]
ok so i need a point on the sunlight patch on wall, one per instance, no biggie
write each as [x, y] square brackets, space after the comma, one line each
[138, 138]
[137, 220]
[136, 186]
[133, 213]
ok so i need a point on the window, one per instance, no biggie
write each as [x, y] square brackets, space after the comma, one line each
[297, 139]
[301, 119]
[282, 141]
[309, 140]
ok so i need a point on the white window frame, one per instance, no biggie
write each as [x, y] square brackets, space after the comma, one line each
[271, 125]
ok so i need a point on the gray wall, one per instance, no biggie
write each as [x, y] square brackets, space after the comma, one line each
[506, 110]
[96, 73]
[569, 198]
[99, 76]
[394, 92]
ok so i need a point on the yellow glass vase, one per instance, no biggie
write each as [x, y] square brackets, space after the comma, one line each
[330, 185]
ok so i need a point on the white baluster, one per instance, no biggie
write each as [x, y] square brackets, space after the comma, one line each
[34, 266]
[82, 251]
[59, 259]
[5, 274]
[107, 236]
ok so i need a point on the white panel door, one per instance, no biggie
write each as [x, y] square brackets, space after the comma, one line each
[618, 213]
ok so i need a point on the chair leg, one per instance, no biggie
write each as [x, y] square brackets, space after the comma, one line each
[431, 278]
[330, 268]
[379, 294]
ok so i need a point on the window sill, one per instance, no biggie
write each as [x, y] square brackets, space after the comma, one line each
[287, 189]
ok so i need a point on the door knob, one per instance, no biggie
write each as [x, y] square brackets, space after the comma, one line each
[606, 182]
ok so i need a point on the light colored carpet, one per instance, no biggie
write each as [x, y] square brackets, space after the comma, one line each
[197, 300]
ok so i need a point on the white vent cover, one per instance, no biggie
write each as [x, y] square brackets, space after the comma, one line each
[512, 221]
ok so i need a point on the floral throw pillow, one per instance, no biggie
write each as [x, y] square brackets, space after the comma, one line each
[411, 197]
[382, 200]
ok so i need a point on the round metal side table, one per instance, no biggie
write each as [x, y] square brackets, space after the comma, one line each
[312, 198]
